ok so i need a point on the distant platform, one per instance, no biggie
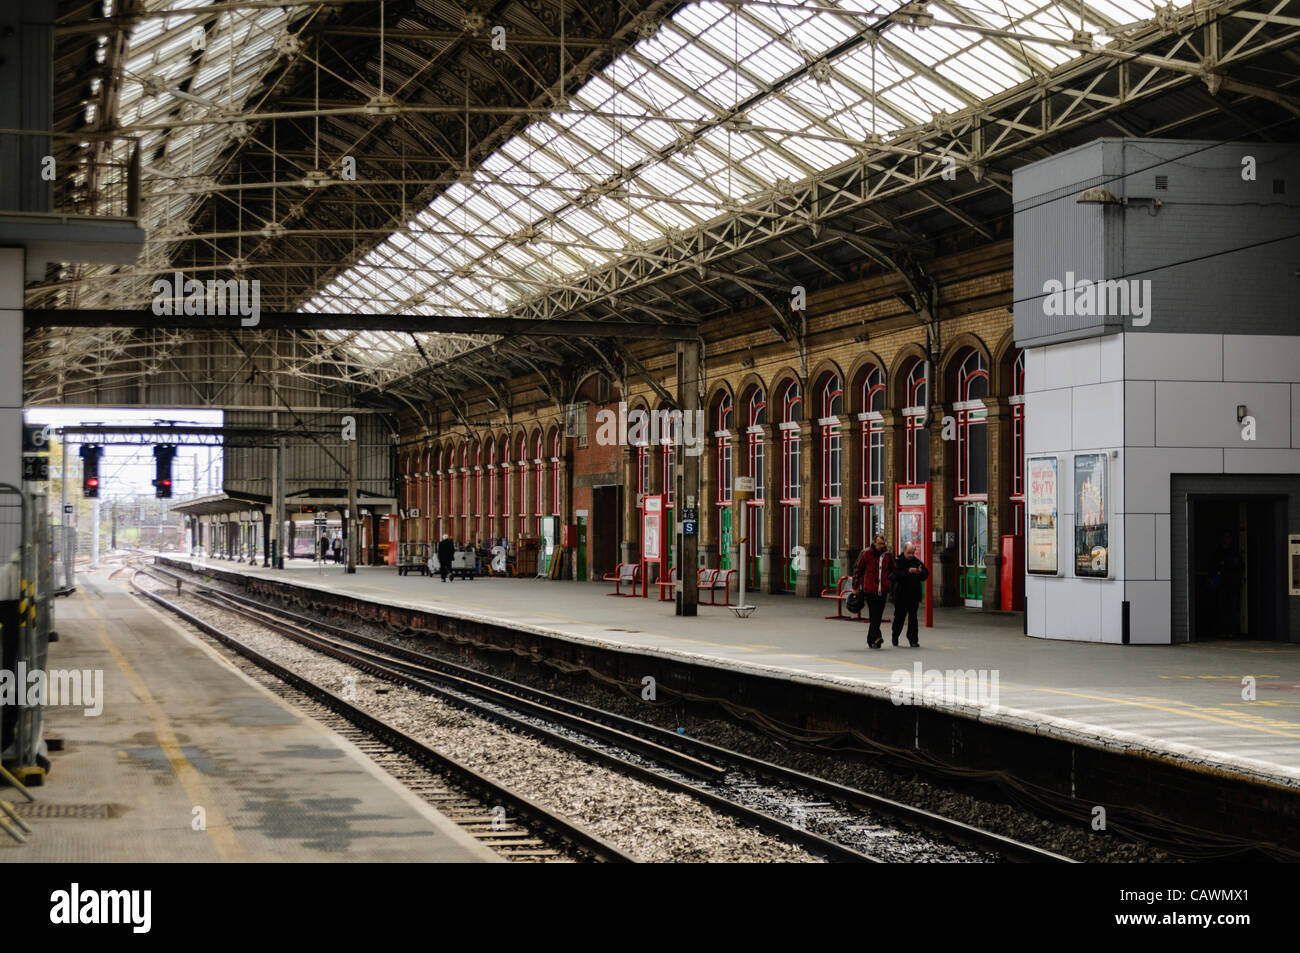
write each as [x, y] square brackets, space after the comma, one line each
[1181, 703]
[185, 738]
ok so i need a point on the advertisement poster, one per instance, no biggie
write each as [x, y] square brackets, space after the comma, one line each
[1091, 521]
[911, 530]
[1040, 539]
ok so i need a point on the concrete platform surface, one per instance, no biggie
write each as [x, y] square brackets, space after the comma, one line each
[185, 737]
[1182, 701]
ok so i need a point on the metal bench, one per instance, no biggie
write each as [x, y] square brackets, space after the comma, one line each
[666, 586]
[624, 574]
[713, 580]
[841, 594]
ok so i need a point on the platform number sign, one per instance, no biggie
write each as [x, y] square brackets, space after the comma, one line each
[36, 468]
[36, 438]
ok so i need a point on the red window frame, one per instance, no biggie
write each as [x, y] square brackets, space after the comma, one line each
[871, 488]
[972, 383]
[539, 494]
[917, 396]
[507, 486]
[722, 467]
[756, 461]
[555, 474]
[791, 483]
[427, 516]
[668, 458]
[831, 492]
[464, 494]
[492, 489]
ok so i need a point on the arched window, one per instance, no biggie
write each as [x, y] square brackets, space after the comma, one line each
[476, 523]
[555, 474]
[723, 421]
[756, 460]
[916, 402]
[428, 504]
[491, 528]
[642, 464]
[407, 490]
[791, 482]
[442, 491]
[507, 487]
[871, 490]
[521, 463]
[669, 424]
[462, 536]
[971, 386]
[831, 491]
[1017, 401]
[539, 491]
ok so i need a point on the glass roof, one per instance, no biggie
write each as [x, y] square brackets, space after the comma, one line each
[724, 103]
[717, 107]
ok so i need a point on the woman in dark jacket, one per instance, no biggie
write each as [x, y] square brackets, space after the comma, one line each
[909, 574]
[873, 575]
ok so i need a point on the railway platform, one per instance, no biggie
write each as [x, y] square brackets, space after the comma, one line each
[190, 760]
[1179, 705]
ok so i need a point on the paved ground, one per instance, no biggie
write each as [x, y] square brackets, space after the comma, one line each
[182, 729]
[1183, 701]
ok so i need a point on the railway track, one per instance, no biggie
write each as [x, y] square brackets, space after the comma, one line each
[830, 819]
[512, 825]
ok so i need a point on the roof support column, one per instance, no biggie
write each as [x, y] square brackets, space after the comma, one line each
[687, 495]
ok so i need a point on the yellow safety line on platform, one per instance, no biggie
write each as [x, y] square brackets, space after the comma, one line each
[1168, 710]
[218, 826]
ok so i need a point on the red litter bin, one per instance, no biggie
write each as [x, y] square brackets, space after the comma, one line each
[1013, 574]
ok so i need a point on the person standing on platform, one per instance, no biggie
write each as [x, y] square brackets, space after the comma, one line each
[324, 546]
[873, 575]
[446, 552]
[338, 549]
[909, 575]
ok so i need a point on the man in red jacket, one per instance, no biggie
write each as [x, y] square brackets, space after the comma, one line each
[873, 575]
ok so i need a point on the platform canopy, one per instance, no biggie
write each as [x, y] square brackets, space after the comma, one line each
[615, 161]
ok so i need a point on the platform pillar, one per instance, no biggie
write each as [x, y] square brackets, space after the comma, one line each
[688, 479]
[350, 522]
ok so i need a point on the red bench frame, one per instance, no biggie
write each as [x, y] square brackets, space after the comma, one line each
[841, 594]
[666, 585]
[621, 578]
[713, 586]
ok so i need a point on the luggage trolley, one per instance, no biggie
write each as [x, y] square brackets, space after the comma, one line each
[412, 557]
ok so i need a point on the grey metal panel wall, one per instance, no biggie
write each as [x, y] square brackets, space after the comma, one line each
[1211, 251]
[1216, 252]
[1181, 486]
[1054, 235]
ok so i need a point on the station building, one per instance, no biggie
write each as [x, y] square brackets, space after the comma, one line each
[827, 435]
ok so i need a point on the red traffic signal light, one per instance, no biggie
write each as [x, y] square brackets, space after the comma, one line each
[162, 481]
[90, 455]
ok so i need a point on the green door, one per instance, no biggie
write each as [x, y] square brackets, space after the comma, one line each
[724, 539]
[972, 545]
